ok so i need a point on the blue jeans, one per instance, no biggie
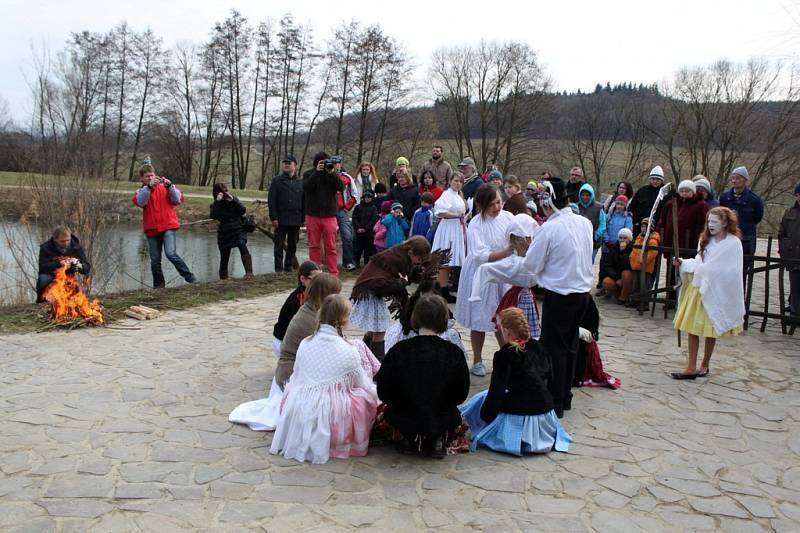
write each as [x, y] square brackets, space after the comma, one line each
[41, 284]
[168, 241]
[346, 233]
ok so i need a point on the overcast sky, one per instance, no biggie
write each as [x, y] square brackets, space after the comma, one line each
[580, 42]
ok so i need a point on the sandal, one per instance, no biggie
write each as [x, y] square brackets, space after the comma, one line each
[681, 375]
[703, 373]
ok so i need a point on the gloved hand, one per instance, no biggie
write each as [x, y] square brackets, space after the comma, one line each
[585, 335]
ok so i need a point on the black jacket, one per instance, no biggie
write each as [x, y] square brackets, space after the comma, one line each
[229, 214]
[789, 235]
[288, 310]
[286, 200]
[320, 188]
[48, 252]
[617, 261]
[641, 204]
[365, 216]
[408, 196]
[573, 190]
[422, 381]
[519, 382]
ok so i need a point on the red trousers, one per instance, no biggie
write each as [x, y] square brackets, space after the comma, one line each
[323, 230]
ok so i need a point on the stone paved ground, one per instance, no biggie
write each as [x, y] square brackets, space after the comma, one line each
[126, 430]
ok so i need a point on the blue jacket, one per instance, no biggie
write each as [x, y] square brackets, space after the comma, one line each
[616, 222]
[594, 212]
[396, 229]
[748, 207]
[422, 221]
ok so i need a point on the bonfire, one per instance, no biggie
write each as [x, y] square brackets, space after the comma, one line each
[68, 299]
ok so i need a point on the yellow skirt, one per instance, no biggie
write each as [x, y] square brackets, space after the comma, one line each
[691, 316]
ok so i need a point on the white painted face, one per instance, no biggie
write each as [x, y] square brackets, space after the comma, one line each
[714, 224]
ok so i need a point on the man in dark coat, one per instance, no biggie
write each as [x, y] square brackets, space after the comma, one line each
[286, 211]
[642, 202]
[748, 207]
[472, 180]
[789, 248]
[320, 187]
[61, 249]
[575, 183]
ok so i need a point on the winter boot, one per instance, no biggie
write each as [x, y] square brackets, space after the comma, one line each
[247, 262]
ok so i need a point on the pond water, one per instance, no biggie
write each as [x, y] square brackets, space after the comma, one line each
[130, 266]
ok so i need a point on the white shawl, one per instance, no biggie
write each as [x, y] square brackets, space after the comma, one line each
[449, 202]
[511, 269]
[718, 275]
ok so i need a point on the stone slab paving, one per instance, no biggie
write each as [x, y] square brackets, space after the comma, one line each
[126, 430]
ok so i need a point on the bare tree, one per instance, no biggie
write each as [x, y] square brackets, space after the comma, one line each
[150, 63]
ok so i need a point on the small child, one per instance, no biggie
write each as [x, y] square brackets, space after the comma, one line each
[365, 215]
[653, 241]
[516, 414]
[422, 381]
[589, 370]
[378, 229]
[423, 217]
[396, 225]
[618, 277]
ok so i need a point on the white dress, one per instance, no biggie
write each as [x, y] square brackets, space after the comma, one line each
[329, 403]
[451, 232]
[484, 235]
[395, 334]
[263, 415]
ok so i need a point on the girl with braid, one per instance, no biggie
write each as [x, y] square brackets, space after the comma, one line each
[516, 414]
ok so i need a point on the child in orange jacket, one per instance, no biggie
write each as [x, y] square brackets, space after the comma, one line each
[653, 241]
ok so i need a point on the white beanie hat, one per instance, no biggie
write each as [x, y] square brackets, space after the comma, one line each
[701, 181]
[687, 184]
[741, 171]
[625, 232]
[657, 172]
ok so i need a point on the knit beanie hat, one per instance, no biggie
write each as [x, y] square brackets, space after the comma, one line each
[386, 206]
[401, 162]
[495, 174]
[621, 198]
[741, 171]
[532, 185]
[687, 184]
[625, 232]
[380, 188]
[397, 205]
[702, 182]
[657, 172]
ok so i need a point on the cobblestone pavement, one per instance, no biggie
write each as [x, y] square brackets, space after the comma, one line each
[126, 430]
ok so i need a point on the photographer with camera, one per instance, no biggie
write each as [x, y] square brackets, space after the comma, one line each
[321, 186]
[231, 233]
[157, 198]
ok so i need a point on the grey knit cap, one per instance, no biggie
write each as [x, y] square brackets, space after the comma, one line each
[741, 171]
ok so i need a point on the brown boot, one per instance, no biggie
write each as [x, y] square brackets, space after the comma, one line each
[247, 262]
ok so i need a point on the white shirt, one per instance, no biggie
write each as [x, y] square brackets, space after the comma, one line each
[561, 254]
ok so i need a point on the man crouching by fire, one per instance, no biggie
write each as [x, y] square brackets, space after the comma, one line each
[62, 248]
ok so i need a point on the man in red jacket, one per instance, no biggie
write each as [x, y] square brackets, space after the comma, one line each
[158, 198]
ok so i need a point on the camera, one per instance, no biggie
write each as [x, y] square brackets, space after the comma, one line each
[329, 164]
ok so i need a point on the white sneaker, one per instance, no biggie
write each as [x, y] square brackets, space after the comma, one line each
[478, 370]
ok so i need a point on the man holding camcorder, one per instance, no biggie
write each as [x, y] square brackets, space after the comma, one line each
[320, 186]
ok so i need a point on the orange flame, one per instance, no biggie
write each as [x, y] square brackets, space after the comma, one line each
[68, 298]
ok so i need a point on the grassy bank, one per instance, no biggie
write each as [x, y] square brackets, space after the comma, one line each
[27, 318]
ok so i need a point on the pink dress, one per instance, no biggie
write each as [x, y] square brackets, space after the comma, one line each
[329, 403]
